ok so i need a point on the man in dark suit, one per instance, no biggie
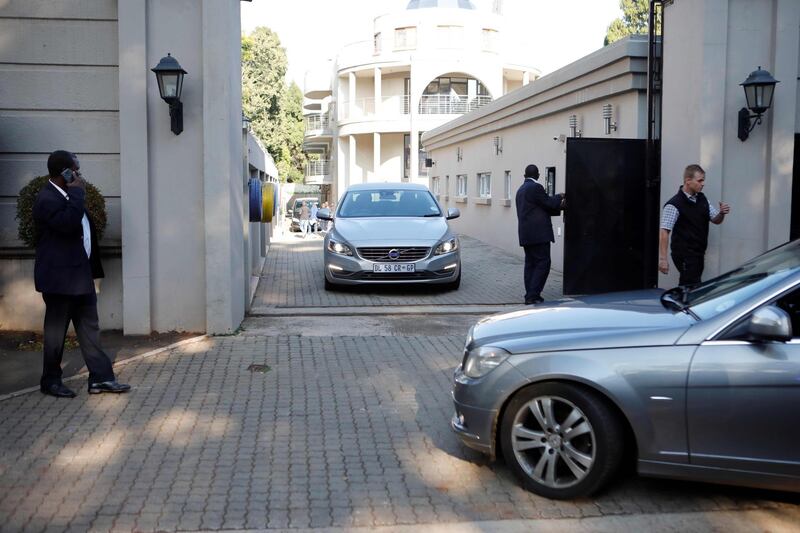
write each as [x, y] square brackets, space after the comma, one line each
[534, 209]
[67, 261]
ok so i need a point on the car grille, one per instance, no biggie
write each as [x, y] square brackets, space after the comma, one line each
[381, 255]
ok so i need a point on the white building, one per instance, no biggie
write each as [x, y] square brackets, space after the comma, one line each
[479, 159]
[179, 252]
[422, 67]
[709, 48]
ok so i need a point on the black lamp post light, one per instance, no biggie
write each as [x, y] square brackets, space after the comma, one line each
[170, 85]
[759, 88]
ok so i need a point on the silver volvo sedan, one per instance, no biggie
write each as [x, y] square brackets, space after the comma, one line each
[698, 383]
[390, 233]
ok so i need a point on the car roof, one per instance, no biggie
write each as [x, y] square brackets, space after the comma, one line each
[387, 186]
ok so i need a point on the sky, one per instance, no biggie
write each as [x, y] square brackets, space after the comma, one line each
[557, 32]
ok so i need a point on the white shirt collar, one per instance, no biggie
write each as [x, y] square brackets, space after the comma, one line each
[59, 189]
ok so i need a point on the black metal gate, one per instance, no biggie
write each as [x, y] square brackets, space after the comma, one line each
[611, 219]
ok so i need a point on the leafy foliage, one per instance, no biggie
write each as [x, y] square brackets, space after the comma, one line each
[635, 20]
[274, 108]
[95, 206]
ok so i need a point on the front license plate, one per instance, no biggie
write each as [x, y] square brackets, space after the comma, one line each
[400, 268]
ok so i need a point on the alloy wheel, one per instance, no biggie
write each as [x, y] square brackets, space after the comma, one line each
[553, 441]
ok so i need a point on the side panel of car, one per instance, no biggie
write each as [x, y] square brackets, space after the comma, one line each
[742, 406]
[649, 393]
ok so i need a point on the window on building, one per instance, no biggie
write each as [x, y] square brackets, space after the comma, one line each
[447, 184]
[377, 43]
[485, 184]
[405, 37]
[450, 36]
[435, 185]
[507, 185]
[461, 185]
[489, 39]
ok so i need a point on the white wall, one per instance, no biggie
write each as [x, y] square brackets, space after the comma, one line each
[717, 43]
[527, 121]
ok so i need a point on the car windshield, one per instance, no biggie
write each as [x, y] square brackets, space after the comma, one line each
[717, 295]
[388, 203]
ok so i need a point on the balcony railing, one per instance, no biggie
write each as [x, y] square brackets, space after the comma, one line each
[445, 104]
[318, 167]
[436, 104]
[317, 122]
[365, 107]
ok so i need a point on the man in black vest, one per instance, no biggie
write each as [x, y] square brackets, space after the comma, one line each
[67, 261]
[534, 209]
[686, 216]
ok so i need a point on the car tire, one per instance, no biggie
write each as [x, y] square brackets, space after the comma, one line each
[455, 284]
[529, 435]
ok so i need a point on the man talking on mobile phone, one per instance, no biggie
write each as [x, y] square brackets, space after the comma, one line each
[67, 262]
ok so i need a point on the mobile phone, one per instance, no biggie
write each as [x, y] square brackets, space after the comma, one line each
[68, 175]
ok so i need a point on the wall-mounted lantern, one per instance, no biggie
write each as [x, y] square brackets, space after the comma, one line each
[608, 114]
[497, 144]
[170, 86]
[245, 122]
[759, 88]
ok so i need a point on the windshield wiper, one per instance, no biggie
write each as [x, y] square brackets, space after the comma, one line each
[668, 300]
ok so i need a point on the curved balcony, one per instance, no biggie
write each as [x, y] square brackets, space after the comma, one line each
[317, 82]
[445, 104]
[318, 172]
[317, 125]
[361, 108]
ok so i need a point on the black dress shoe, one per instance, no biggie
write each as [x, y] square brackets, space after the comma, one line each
[108, 386]
[534, 301]
[58, 390]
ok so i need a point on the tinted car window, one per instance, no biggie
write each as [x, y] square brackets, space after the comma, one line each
[717, 295]
[388, 203]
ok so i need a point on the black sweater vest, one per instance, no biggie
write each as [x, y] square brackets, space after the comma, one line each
[690, 234]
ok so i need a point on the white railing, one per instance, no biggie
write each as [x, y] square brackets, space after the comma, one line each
[318, 167]
[445, 104]
[365, 107]
[317, 122]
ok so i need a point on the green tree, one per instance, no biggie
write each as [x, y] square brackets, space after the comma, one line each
[274, 108]
[635, 19]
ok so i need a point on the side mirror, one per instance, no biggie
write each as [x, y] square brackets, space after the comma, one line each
[324, 214]
[770, 323]
[453, 213]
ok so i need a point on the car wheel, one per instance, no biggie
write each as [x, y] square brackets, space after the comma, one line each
[454, 285]
[561, 440]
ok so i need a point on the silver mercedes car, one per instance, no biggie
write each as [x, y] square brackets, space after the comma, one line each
[390, 233]
[699, 383]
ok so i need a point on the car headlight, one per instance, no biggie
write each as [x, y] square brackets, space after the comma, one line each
[481, 361]
[339, 248]
[447, 246]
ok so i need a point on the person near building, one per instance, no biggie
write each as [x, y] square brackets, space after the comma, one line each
[534, 209]
[67, 262]
[684, 224]
[305, 217]
[313, 221]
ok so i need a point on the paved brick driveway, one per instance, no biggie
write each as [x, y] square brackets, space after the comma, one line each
[293, 278]
[341, 431]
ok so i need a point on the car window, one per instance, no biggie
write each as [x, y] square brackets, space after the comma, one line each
[791, 304]
[717, 295]
[388, 203]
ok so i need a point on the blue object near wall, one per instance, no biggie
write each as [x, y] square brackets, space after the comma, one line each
[254, 187]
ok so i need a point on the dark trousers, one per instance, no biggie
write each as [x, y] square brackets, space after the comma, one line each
[690, 268]
[82, 311]
[537, 268]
